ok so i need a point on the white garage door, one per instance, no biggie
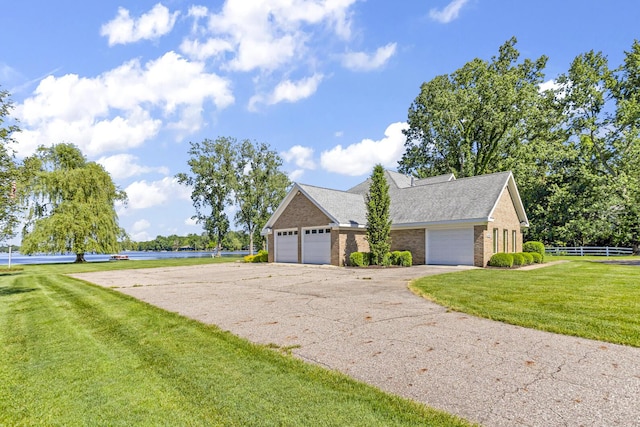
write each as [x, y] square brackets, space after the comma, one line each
[450, 247]
[316, 246]
[286, 244]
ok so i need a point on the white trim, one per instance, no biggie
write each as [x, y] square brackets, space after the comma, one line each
[515, 200]
[454, 223]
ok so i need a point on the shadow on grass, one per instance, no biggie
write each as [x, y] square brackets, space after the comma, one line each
[6, 291]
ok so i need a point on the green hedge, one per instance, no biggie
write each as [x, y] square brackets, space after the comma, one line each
[537, 247]
[405, 259]
[501, 259]
[363, 259]
[261, 256]
[528, 258]
[518, 259]
[359, 259]
[537, 258]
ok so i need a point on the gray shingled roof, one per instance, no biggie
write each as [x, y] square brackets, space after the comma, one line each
[435, 179]
[431, 200]
[456, 200]
[397, 180]
[342, 207]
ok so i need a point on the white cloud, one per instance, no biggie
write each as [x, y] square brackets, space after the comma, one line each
[449, 13]
[122, 166]
[549, 85]
[140, 225]
[296, 175]
[204, 50]
[360, 61]
[268, 34]
[288, 91]
[359, 159]
[301, 156]
[151, 25]
[143, 194]
[121, 108]
[192, 222]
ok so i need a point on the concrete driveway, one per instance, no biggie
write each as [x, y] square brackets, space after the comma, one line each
[367, 324]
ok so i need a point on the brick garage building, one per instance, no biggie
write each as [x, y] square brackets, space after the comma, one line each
[441, 220]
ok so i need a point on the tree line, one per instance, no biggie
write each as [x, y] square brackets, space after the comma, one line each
[574, 146]
[234, 240]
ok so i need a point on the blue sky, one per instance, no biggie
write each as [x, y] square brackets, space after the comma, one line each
[326, 83]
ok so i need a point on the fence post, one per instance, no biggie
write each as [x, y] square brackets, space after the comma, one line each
[581, 251]
[607, 250]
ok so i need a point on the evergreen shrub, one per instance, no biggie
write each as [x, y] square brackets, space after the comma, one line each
[534, 247]
[537, 258]
[405, 259]
[501, 259]
[359, 259]
[528, 258]
[518, 259]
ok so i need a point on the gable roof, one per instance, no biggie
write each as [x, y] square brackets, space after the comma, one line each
[429, 201]
[342, 207]
[470, 199]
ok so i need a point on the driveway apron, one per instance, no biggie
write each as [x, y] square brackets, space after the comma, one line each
[368, 325]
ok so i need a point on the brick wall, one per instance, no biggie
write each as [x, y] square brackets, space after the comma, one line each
[410, 240]
[479, 251]
[347, 241]
[506, 218]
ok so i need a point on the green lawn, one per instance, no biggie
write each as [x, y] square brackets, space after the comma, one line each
[72, 353]
[580, 297]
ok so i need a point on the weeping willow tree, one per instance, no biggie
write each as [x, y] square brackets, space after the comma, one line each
[71, 204]
[9, 173]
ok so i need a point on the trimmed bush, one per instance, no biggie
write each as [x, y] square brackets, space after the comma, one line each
[518, 259]
[395, 258]
[261, 256]
[528, 258]
[386, 260]
[537, 258]
[534, 247]
[359, 259]
[405, 259]
[501, 259]
[401, 258]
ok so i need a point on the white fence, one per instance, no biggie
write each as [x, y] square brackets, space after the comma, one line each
[589, 250]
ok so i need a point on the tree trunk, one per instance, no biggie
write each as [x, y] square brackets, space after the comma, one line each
[80, 258]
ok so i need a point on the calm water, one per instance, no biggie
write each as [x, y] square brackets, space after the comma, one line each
[17, 258]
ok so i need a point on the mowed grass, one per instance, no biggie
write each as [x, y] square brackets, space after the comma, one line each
[72, 353]
[580, 297]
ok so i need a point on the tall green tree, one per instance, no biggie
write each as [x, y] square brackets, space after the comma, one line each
[213, 179]
[72, 204]
[601, 107]
[485, 117]
[225, 172]
[260, 187]
[10, 178]
[378, 220]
